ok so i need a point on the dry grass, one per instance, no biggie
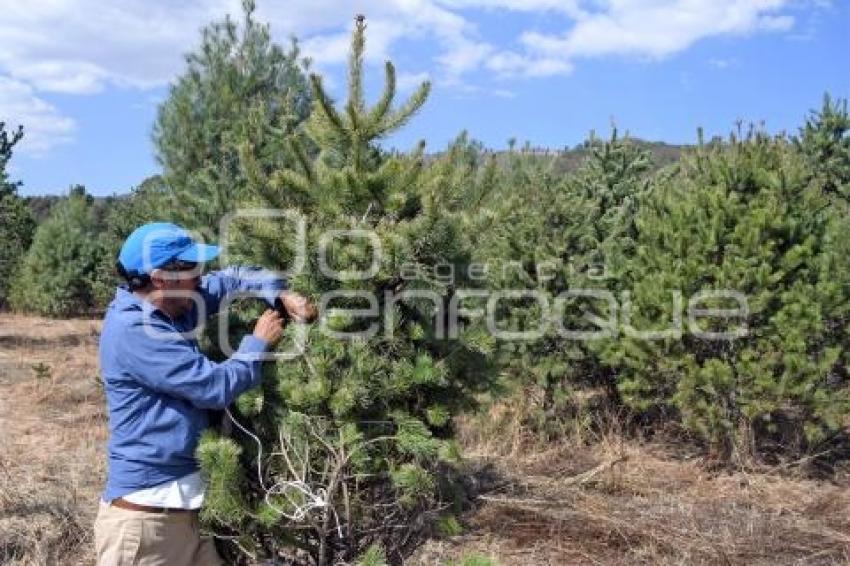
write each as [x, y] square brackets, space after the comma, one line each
[592, 498]
[606, 499]
[51, 452]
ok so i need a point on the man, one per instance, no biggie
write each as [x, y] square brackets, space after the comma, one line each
[159, 388]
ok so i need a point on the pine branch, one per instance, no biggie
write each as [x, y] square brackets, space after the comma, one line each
[379, 112]
[356, 101]
[325, 106]
[401, 116]
[303, 161]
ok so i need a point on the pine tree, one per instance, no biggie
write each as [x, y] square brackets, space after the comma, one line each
[472, 182]
[365, 421]
[239, 86]
[16, 221]
[560, 237]
[60, 276]
[744, 217]
[825, 142]
[615, 179]
[146, 203]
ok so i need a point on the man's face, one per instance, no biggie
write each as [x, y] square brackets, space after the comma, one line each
[177, 285]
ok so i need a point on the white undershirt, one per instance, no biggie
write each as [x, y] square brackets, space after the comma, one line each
[183, 493]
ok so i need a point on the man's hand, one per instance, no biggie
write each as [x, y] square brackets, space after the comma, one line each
[298, 307]
[269, 326]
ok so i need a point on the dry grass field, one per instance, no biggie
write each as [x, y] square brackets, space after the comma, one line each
[53, 424]
[604, 500]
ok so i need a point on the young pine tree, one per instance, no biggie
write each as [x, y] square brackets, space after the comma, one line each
[239, 86]
[825, 142]
[16, 221]
[744, 217]
[148, 202]
[564, 238]
[363, 417]
[60, 275]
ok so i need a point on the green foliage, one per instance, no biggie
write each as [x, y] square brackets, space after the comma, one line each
[825, 142]
[219, 458]
[239, 89]
[7, 143]
[366, 418]
[758, 215]
[413, 483]
[449, 526]
[374, 556]
[16, 222]
[744, 216]
[553, 236]
[42, 371]
[475, 560]
[146, 203]
[60, 274]
[108, 221]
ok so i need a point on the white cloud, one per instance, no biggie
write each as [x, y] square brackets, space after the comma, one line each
[722, 63]
[82, 46]
[406, 82]
[332, 48]
[464, 56]
[657, 28]
[651, 29]
[85, 46]
[570, 7]
[508, 64]
[502, 93]
[327, 49]
[44, 125]
[776, 23]
[76, 77]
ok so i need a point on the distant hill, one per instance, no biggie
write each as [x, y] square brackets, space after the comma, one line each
[567, 160]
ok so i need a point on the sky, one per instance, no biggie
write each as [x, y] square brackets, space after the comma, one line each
[85, 77]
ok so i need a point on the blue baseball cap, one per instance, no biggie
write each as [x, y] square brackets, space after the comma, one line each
[153, 245]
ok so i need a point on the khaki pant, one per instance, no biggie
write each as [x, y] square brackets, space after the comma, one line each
[136, 538]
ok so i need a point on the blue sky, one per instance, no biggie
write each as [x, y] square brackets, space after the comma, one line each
[86, 80]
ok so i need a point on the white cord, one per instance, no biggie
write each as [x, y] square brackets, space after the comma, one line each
[315, 499]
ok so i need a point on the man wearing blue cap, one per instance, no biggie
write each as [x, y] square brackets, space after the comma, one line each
[159, 388]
